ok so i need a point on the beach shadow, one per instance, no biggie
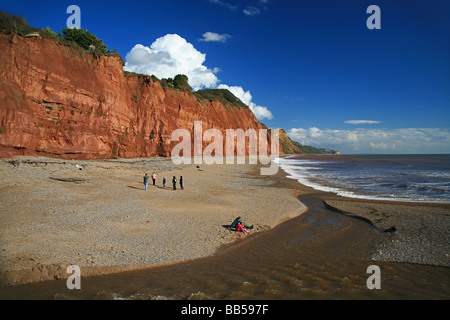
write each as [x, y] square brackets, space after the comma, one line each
[162, 188]
[368, 221]
[135, 188]
[74, 180]
[227, 226]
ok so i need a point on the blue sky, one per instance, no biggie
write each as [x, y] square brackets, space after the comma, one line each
[312, 68]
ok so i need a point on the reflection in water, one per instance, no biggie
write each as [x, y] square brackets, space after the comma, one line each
[318, 255]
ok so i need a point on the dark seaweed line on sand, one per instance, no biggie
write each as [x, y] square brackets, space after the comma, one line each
[331, 208]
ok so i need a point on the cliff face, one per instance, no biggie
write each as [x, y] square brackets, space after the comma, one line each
[287, 145]
[56, 100]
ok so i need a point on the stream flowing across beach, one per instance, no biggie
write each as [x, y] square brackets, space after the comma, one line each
[320, 254]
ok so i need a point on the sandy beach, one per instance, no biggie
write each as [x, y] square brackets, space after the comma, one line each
[100, 218]
[305, 243]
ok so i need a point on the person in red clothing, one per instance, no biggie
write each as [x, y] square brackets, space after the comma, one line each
[240, 228]
[238, 220]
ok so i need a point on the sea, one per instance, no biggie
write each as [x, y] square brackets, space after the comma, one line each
[319, 255]
[409, 178]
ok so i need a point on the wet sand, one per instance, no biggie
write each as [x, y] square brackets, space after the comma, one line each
[416, 233]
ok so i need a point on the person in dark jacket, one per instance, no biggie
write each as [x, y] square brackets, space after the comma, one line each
[174, 183]
[181, 183]
[146, 177]
[239, 221]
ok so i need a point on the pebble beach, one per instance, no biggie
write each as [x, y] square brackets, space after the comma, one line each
[418, 233]
[97, 215]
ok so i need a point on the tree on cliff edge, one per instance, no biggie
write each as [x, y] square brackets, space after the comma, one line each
[84, 39]
[181, 81]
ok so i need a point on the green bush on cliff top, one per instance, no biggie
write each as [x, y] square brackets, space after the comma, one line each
[222, 95]
[84, 39]
[47, 32]
[180, 82]
[80, 37]
[10, 23]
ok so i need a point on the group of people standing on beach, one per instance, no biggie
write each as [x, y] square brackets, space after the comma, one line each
[153, 176]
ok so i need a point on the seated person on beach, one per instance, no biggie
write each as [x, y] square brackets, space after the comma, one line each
[238, 221]
[240, 228]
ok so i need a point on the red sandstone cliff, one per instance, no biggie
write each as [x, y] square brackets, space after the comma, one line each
[56, 100]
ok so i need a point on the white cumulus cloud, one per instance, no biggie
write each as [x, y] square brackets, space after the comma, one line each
[171, 55]
[404, 140]
[245, 96]
[215, 37]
